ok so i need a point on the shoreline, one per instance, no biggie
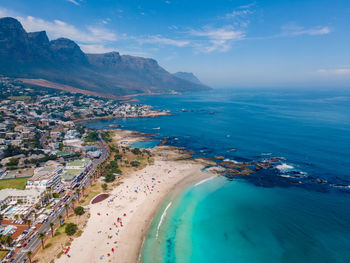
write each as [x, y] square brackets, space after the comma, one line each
[151, 114]
[135, 201]
[177, 190]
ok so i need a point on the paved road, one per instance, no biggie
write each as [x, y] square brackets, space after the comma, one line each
[35, 242]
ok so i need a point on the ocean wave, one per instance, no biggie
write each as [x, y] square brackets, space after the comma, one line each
[285, 167]
[205, 180]
[229, 160]
[161, 218]
[265, 154]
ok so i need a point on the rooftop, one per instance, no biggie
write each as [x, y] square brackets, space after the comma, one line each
[15, 192]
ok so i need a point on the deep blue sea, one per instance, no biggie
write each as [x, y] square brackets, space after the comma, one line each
[298, 211]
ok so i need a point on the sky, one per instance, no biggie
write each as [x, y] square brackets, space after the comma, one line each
[226, 43]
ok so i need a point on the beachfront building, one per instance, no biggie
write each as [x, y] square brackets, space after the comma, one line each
[11, 196]
[45, 177]
[71, 176]
[83, 163]
[75, 170]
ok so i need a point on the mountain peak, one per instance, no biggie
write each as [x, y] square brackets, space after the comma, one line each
[10, 23]
[67, 51]
[189, 76]
[32, 55]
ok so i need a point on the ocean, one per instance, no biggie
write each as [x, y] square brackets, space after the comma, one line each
[297, 211]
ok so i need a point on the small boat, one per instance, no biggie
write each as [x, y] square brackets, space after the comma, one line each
[184, 110]
[157, 128]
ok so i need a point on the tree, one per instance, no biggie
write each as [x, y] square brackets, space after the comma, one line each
[29, 256]
[104, 186]
[78, 192]
[91, 137]
[29, 222]
[16, 216]
[13, 162]
[110, 177]
[6, 240]
[51, 226]
[1, 218]
[79, 211]
[70, 229]
[73, 202]
[66, 206]
[83, 189]
[42, 237]
[135, 163]
[60, 219]
[136, 151]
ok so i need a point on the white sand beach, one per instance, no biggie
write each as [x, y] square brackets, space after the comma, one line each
[134, 202]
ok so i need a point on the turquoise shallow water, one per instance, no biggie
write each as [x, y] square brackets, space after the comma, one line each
[238, 222]
[264, 217]
[145, 144]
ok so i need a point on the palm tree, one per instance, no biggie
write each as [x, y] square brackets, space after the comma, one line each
[83, 189]
[66, 206]
[9, 240]
[42, 237]
[16, 216]
[2, 240]
[1, 218]
[29, 256]
[29, 222]
[78, 192]
[73, 200]
[60, 218]
[6, 240]
[51, 226]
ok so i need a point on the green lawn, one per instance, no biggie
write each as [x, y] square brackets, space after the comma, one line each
[18, 183]
[20, 98]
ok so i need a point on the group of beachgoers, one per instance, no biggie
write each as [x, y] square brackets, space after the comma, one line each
[144, 184]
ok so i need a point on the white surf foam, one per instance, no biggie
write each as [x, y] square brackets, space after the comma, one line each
[161, 219]
[284, 167]
[205, 180]
[229, 160]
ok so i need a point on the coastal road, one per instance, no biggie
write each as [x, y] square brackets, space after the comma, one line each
[32, 245]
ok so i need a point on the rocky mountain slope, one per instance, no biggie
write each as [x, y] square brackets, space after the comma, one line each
[33, 55]
[189, 76]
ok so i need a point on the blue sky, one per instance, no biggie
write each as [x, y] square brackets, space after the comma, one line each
[232, 43]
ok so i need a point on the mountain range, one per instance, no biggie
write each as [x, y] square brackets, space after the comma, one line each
[32, 56]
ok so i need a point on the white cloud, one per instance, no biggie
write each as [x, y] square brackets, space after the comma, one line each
[339, 71]
[239, 13]
[95, 49]
[247, 6]
[295, 30]
[165, 41]
[91, 38]
[4, 12]
[219, 39]
[73, 2]
[58, 28]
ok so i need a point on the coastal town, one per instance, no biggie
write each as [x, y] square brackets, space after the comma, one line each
[48, 160]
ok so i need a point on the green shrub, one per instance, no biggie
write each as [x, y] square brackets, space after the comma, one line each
[70, 229]
[79, 211]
